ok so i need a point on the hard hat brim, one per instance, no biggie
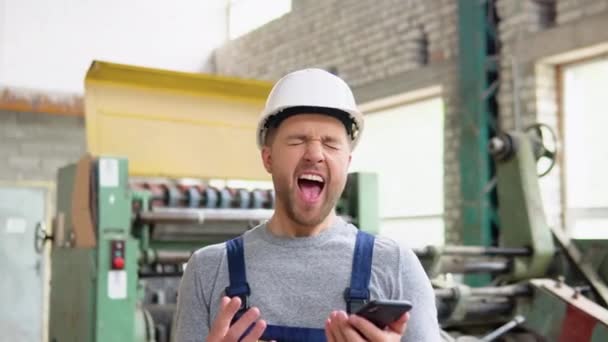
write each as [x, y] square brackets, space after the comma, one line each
[280, 114]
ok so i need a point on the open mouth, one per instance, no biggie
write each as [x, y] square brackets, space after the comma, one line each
[311, 186]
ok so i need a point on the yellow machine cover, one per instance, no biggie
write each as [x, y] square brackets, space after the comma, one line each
[174, 124]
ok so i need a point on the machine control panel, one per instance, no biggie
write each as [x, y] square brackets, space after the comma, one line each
[117, 254]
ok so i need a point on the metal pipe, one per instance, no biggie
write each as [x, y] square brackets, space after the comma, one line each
[486, 266]
[484, 309]
[468, 267]
[475, 251]
[504, 329]
[516, 290]
[164, 256]
[169, 215]
[475, 310]
[171, 256]
[198, 216]
[487, 251]
[144, 275]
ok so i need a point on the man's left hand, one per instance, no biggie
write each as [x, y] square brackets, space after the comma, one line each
[340, 327]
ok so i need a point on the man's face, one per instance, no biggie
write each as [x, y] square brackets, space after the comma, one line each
[308, 156]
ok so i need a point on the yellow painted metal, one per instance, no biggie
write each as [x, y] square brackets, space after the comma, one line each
[175, 124]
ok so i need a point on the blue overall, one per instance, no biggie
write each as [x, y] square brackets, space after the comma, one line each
[355, 296]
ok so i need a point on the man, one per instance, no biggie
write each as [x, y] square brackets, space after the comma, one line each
[295, 277]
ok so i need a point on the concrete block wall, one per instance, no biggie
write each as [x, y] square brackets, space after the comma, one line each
[451, 158]
[366, 41]
[34, 146]
[571, 10]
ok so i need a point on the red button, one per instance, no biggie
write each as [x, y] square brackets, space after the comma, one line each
[118, 263]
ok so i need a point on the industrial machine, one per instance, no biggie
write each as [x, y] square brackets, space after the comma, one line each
[119, 246]
[543, 286]
[528, 281]
[131, 212]
[153, 189]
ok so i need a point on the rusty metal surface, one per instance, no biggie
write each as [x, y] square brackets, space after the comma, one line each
[17, 100]
[573, 297]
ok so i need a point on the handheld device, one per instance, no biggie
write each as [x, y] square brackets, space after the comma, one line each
[384, 312]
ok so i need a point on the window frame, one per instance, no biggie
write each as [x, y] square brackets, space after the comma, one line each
[570, 215]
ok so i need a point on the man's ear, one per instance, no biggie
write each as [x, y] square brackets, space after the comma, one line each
[267, 158]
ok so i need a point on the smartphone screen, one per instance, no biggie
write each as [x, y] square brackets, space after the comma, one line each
[384, 312]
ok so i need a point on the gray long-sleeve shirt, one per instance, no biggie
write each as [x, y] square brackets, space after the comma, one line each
[299, 281]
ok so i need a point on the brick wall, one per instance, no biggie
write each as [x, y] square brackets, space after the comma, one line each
[368, 41]
[365, 40]
[34, 146]
[570, 10]
[451, 158]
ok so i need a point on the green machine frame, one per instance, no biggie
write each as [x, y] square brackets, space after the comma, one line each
[91, 301]
[477, 72]
[102, 242]
[360, 201]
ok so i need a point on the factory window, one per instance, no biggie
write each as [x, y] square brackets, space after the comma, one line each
[404, 146]
[586, 148]
[247, 15]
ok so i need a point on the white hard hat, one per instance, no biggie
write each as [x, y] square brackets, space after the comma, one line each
[311, 91]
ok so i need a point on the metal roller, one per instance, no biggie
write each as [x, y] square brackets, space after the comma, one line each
[200, 196]
[516, 290]
[242, 199]
[474, 251]
[158, 194]
[198, 216]
[483, 309]
[225, 198]
[173, 196]
[210, 197]
[171, 256]
[270, 200]
[486, 266]
[460, 266]
[258, 199]
[193, 197]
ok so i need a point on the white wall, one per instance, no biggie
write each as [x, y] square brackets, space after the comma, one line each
[586, 148]
[49, 44]
[404, 146]
[248, 15]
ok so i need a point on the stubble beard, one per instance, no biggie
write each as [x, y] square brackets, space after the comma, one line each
[288, 200]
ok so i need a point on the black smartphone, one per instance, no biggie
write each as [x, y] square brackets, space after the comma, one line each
[384, 312]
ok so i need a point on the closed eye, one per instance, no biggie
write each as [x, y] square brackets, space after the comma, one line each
[332, 145]
[295, 142]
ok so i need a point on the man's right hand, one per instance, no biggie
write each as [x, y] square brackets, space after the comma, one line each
[222, 331]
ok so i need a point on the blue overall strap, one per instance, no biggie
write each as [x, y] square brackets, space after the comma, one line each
[236, 271]
[358, 293]
[239, 287]
[293, 334]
